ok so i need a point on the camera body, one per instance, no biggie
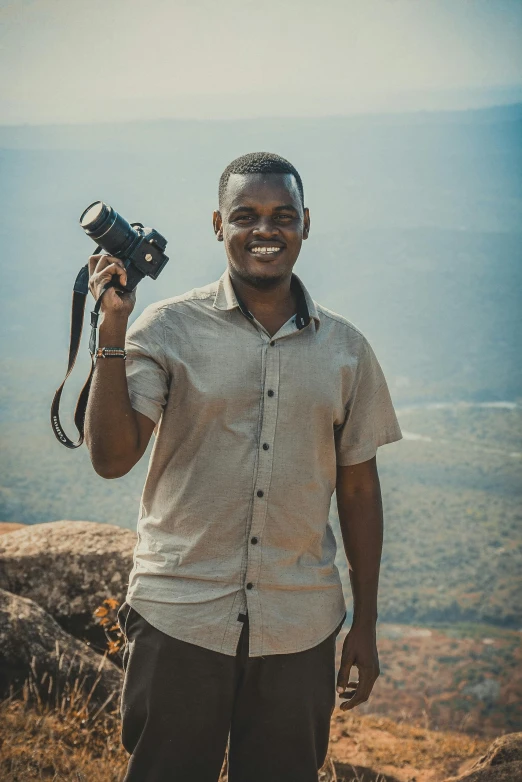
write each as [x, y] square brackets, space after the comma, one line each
[141, 249]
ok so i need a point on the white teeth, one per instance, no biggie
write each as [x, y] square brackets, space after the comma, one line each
[265, 250]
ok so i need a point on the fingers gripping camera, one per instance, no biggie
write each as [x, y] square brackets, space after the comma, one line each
[141, 249]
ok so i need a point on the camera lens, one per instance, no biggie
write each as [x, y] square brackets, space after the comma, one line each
[94, 214]
[108, 229]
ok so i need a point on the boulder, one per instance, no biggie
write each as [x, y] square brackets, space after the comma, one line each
[508, 772]
[9, 526]
[34, 647]
[505, 749]
[69, 568]
[502, 762]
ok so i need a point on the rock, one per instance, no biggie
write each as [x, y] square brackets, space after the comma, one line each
[69, 568]
[9, 526]
[32, 644]
[502, 762]
[505, 749]
[509, 772]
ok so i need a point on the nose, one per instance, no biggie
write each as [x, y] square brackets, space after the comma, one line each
[264, 227]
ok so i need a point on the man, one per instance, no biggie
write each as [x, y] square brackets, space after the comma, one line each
[263, 403]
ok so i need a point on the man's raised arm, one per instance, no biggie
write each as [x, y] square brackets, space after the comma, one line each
[116, 434]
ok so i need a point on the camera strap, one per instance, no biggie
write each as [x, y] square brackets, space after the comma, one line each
[80, 292]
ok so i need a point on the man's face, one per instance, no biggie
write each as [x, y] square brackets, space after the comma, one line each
[262, 223]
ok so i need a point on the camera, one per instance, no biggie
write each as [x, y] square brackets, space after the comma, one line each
[141, 249]
[142, 252]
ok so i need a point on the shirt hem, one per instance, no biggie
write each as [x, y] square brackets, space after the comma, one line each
[144, 406]
[295, 650]
[135, 603]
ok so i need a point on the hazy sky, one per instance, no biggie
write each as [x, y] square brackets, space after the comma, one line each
[83, 60]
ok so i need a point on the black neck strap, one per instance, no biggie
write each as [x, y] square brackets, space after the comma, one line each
[80, 292]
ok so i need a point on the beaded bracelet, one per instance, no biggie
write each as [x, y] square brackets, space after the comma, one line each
[111, 353]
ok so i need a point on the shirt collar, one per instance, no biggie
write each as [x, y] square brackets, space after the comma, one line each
[226, 298]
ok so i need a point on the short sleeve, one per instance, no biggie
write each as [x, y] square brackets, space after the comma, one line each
[370, 417]
[147, 375]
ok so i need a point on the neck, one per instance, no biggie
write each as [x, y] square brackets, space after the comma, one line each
[265, 301]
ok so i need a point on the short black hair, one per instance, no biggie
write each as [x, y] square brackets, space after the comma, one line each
[259, 163]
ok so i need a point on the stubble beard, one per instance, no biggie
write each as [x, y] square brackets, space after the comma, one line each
[257, 281]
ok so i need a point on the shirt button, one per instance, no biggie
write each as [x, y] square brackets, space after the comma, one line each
[260, 493]
[270, 392]
[250, 585]
[254, 541]
[272, 343]
[265, 446]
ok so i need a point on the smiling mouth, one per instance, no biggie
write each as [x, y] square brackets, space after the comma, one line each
[265, 251]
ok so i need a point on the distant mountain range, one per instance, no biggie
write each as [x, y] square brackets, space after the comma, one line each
[257, 104]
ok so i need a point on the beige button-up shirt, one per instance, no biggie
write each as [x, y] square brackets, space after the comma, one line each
[249, 431]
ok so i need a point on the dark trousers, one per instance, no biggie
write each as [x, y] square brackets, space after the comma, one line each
[180, 702]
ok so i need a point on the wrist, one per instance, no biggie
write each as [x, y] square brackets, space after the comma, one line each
[367, 620]
[112, 330]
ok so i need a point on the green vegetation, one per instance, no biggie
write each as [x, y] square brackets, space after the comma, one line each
[452, 550]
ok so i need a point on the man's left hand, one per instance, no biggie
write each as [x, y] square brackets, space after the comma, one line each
[359, 650]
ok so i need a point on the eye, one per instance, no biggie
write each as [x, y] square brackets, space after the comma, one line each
[284, 217]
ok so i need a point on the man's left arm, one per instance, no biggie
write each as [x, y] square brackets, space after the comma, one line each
[360, 515]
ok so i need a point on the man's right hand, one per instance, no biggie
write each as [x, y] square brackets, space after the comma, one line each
[115, 302]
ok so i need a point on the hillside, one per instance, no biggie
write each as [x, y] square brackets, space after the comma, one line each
[458, 677]
[452, 501]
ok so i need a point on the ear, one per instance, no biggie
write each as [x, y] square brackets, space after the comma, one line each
[306, 223]
[217, 222]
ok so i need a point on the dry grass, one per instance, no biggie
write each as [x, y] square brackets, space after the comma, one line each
[68, 743]
[56, 729]
[40, 741]
[44, 743]
[53, 731]
[401, 748]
